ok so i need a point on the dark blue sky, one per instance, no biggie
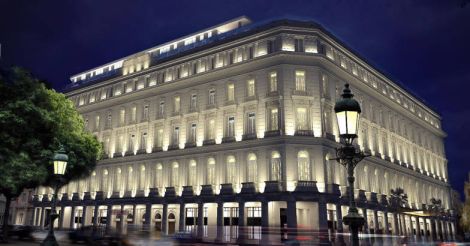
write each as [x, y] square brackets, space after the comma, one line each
[424, 44]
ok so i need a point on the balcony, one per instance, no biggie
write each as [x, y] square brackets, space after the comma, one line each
[191, 144]
[228, 139]
[140, 193]
[65, 197]
[306, 186]
[153, 192]
[333, 189]
[272, 186]
[272, 133]
[129, 153]
[173, 147]
[156, 149]
[100, 195]
[208, 142]
[301, 93]
[373, 198]
[383, 200]
[128, 194]
[226, 189]
[170, 192]
[141, 151]
[249, 136]
[187, 191]
[248, 188]
[75, 196]
[308, 133]
[117, 154]
[206, 190]
[86, 196]
[115, 195]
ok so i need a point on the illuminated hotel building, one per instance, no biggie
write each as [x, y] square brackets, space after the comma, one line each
[235, 124]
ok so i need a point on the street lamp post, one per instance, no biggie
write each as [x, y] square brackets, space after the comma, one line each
[347, 113]
[60, 160]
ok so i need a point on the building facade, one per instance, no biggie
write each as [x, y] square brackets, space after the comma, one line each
[235, 124]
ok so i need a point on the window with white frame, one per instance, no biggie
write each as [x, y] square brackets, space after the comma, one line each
[303, 165]
[210, 171]
[250, 84]
[176, 104]
[272, 81]
[251, 123]
[230, 92]
[231, 177]
[302, 120]
[273, 119]
[300, 80]
[252, 168]
[212, 97]
[230, 132]
[275, 170]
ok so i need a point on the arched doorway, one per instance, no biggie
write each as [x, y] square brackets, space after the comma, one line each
[171, 223]
[158, 222]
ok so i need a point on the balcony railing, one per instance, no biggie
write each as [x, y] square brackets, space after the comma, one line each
[304, 133]
[187, 191]
[306, 186]
[248, 188]
[226, 189]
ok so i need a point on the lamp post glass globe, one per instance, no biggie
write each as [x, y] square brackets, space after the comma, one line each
[347, 111]
[60, 161]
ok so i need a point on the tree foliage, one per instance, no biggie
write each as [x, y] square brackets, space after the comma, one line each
[34, 121]
[398, 198]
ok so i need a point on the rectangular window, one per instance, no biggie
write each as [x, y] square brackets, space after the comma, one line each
[159, 137]
[300, 80]
[122, 117]
[143, 141]
[161, 109]
[177, 104]
[92, 98]
[193, 104]
[250, 87]
[251, 124]
[192, 133]
[108, 120]
[302, 119]
[273, 120]
[299, 45]
[134, 113]
[211, 129]
[230, 92]
[176, 135]
[212, 97]
[273, 81]
[145, 113]
[231, 126]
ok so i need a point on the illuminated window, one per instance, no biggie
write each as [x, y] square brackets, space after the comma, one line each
[251, 87]
[273, 120]
[159, 137]
[210, 129]
[192, 173]
[145, 113]
[275, 169]
[251, 123]
[176, 135]
[109, 120]
[301, 117]
[130, 148]
[230, 92]
[273, 82]
[133, 113]
[303, 165]
[159, 175]
[231, 177]
[193, 103]
[192, 133]
[161, 109]
[143, 141]
[174, 174]
[211, 171]
[122, 116]
[300, 80]
[252, 168]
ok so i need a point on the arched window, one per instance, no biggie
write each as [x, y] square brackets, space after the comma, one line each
[192, 173]
[159, 175]
[231, 171]
[252, 168]
[117, 180]
[130, 178]
[210, 171]
[275, 169]
[303, 165]
[104, 181]
[174, 174]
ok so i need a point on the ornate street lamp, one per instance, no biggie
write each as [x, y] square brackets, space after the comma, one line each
[347, 113]
[60, 160]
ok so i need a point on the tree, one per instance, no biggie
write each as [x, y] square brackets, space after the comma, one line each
[398, 198]
[34, 121]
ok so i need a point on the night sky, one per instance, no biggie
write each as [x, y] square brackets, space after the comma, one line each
[423, 44]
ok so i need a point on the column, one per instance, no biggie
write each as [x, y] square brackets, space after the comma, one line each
[61, 218]
[200, 219]
[148, 214]
[425, 228]
[181, 221]
[84, 211]
[72, 217]
[291, 214]
[395, 224]
[403, 224]
[433, 229]
[134, 214]
[43, 217]
[386, 227]
[264, 214]
[339, 217]
[418, 228]
[165, 219]
[241, 219]
[322, 216]
[376, 221]
[109, 213]
[366, 221]
[220, 220]
[95, 216]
